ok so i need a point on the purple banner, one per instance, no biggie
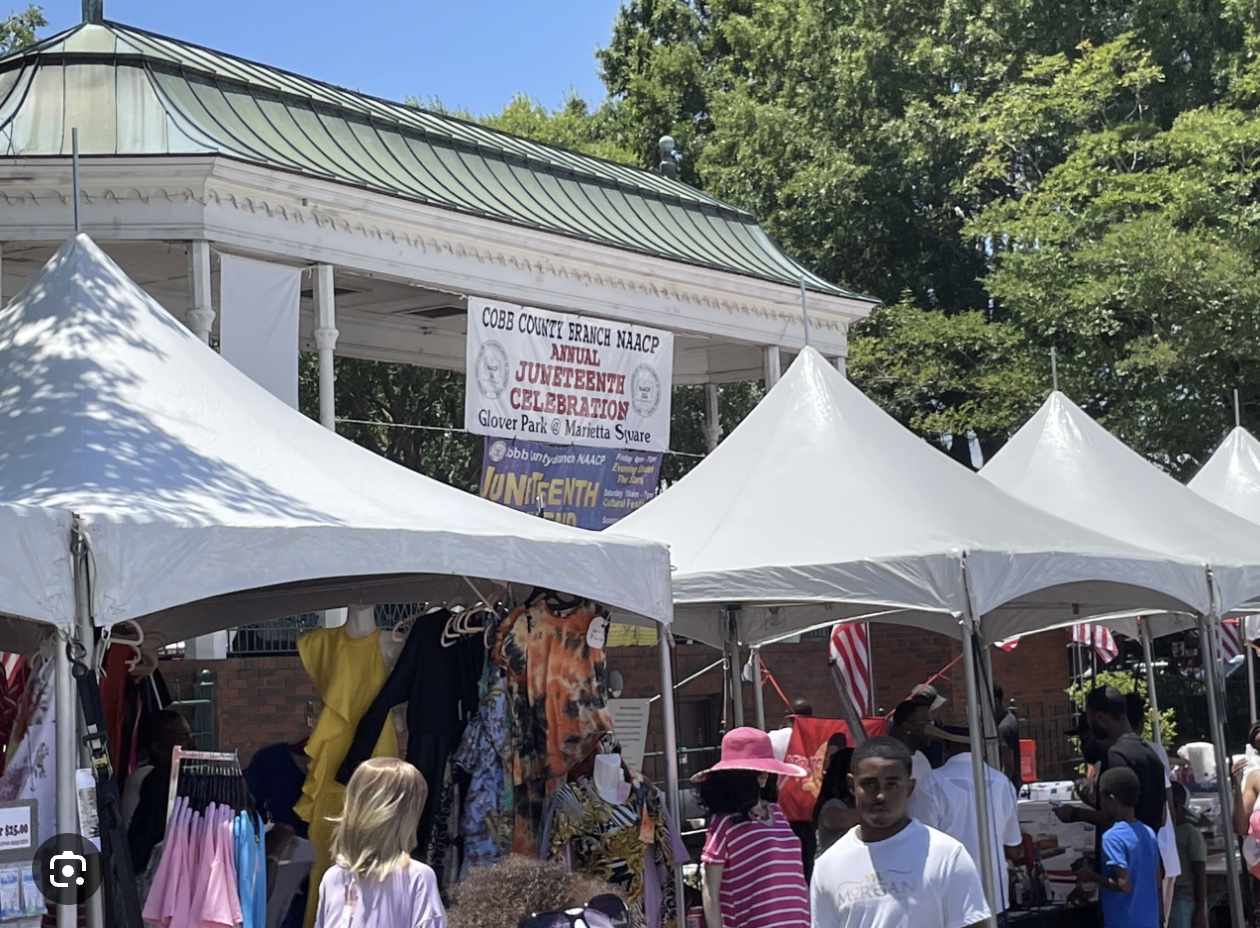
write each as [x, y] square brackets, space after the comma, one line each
[588, 487]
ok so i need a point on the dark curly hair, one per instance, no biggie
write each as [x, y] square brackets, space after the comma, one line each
[730, 792]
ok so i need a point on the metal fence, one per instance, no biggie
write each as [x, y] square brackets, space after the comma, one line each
[278, 637]
[1058, 756]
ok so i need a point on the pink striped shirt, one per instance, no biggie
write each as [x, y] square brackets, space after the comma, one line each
[763, 879]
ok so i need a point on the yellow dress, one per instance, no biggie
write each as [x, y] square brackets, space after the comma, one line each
[348, 673]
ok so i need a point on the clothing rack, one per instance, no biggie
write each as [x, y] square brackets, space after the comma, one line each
[221, 764]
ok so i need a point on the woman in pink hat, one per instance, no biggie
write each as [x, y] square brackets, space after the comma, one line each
[753, 876]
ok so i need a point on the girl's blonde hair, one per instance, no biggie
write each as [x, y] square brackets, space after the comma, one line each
[377, 829]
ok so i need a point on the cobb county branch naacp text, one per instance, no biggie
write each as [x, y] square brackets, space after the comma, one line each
[563, 379]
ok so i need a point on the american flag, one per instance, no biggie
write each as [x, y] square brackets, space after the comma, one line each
[1231, 645]
[850, 649]
[1100, 637]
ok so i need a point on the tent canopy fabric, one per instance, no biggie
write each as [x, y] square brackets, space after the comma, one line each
[1231, 477]
[1069, 465]
[36, 574]
[820, 507]
[194, 483]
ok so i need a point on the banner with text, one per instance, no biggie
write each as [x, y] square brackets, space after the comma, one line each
[588, 487]
[565, 379]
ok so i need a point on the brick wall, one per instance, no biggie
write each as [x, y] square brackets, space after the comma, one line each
[258, 701]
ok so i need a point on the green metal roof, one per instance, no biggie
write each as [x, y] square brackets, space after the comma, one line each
[130, 92]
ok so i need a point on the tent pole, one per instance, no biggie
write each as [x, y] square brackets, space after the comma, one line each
[669, 723]
[1216, 720]
[67, 755]
[1151, 697]
[975, 719]
[974, 723]
[1249, 655]
[759, 696]
[992, 750]
[737, 689]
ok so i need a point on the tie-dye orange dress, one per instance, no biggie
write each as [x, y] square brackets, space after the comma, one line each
[555, 684]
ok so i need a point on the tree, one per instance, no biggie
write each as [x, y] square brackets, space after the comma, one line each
[19, 30]
[973, 165]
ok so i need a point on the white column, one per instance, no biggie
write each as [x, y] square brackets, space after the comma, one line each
[213, 647]
[712, 417]
[326, 343]
[200, 304]
[843, 357]
[1, 275]
[773, 365]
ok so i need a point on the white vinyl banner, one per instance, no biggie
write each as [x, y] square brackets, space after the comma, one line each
[259, 305]
[566, 379]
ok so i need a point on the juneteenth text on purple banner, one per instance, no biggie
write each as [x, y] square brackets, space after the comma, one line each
[587, 487]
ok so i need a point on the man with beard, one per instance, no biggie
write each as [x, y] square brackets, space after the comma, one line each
[1115, 744]
[892, 871]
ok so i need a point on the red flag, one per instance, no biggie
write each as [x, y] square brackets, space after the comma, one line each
[808, 748]
[850, 649]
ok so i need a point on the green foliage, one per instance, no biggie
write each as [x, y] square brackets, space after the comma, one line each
[400, 397]
[19, 29]
[1128, 683]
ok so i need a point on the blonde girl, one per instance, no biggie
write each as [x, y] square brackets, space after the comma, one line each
[374, 883]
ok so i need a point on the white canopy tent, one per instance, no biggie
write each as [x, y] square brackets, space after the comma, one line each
[1231, 477]
[205, 502]
[208, 502]
[820, 507]
[36, 573]
[1069, 465]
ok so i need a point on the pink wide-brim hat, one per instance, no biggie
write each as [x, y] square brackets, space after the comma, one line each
[750, 749]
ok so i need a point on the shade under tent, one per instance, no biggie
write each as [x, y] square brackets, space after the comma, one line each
[819, 507]
[202, 501]
[1068, 464]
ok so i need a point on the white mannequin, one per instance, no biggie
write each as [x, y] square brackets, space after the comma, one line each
[361, 622]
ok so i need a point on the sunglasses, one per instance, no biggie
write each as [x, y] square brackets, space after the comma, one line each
[603, 911]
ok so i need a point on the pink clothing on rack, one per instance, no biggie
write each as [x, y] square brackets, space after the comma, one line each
[154, 911]
[227, 841]
[213, 908]
[202, 866]
[407, 898]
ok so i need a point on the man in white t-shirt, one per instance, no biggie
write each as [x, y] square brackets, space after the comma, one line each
[947, 802]
[892, 871]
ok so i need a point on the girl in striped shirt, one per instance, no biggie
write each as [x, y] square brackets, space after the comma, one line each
[753, 874]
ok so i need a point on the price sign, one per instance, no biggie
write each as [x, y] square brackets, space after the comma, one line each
[16, 827]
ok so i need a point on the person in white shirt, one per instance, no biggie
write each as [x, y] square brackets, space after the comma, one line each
[892, 871]
[947, 802]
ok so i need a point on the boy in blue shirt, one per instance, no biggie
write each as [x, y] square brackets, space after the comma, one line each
[1129, 880]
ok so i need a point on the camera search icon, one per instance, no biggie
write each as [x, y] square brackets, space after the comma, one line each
[68, 869]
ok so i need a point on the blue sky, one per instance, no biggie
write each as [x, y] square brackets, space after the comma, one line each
[471, 54]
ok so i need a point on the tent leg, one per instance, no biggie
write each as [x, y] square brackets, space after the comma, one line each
[1216, 719]
[974, 722]
[672, 788]
[988, 713]
[737, 688]
[759, 695]
[67, 758]
[1151, 696]
[1249, 656]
